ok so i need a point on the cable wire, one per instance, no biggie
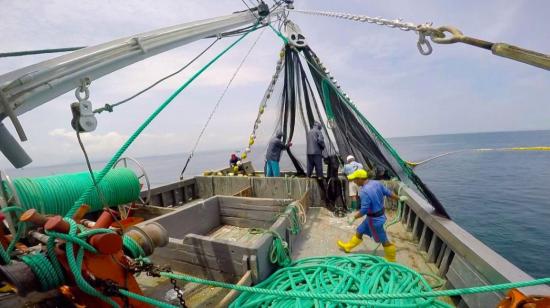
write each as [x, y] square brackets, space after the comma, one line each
[38, 51]
[99, 193]
[218, 103]
[109, 107]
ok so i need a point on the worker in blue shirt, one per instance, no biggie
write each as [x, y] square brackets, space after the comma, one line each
[372, 195]
[273, 154]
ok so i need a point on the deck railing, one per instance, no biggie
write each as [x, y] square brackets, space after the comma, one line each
[460, 257]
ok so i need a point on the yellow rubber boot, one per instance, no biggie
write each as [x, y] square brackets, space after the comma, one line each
[389, 252]
[347, 247]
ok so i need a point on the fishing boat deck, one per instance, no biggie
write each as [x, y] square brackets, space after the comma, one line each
[323, 229]
[317, 238]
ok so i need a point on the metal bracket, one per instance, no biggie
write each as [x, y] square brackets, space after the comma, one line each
[9, 112]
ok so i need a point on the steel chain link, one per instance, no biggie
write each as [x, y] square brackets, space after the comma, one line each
[424, 30]
[179, 292]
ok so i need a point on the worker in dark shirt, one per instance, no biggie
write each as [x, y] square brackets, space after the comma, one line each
[273, 154]
[315, 147]
[234, 160]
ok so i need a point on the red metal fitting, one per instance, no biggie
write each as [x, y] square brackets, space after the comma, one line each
[106, 243]
[104, 221]
[34, 217]
[57, 224]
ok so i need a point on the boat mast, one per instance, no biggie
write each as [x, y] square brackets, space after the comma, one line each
[27, 88]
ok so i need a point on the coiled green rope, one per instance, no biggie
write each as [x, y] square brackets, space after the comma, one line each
[292, 212]
[5, 253]
[44, 271]
[57, 194]
[351, 275]
[131, 248]
[279, 253]
[351, 269]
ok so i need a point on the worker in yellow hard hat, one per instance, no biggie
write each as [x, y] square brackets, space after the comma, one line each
[371, 195]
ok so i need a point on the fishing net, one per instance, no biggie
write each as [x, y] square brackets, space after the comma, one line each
[346, 130]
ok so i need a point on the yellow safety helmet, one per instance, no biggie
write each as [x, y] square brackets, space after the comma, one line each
[358, 174]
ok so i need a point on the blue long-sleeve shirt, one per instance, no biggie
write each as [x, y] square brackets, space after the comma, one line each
[372, 198]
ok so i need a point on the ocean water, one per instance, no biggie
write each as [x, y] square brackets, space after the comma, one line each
[501, 197]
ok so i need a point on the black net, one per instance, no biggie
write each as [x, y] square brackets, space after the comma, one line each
[349, 132]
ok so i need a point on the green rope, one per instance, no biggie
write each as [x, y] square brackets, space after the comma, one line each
[131, 248]
[75, 263]
[5, 253]
[75, 258]
[279, 34]
[279, 253]
[57, 194]
[390, 273]
[146, 123]
[292, 213]
[44, 271]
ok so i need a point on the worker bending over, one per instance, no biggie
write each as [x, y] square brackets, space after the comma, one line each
[371, 194]
[234, 162]
[273, 154]
[315, 147]
[350, 168]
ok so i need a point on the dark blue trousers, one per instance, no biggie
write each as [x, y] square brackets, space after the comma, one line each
[315, 160]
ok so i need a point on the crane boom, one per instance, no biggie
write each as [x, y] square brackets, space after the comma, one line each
[27, 88]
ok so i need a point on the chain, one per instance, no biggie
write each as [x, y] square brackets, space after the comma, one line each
[423, 30]
[178, 291]
[144, 265]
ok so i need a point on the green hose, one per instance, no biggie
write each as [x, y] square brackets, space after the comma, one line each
[57, 194]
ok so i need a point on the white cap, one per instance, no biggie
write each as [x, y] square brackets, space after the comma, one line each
[350, 158]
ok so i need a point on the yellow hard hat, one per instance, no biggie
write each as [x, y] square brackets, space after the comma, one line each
[358, 174]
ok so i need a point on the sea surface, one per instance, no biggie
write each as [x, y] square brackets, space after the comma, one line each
[501, 197]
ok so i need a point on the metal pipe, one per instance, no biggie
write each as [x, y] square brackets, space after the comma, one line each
[42, 238]
[34, 85]
[12, 150]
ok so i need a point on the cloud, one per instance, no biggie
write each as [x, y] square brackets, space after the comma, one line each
[458, 88]
[101, 145]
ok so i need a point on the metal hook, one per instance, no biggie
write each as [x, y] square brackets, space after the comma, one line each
[83, 88]
[423, 45]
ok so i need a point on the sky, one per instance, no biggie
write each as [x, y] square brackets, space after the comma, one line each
[457, 89]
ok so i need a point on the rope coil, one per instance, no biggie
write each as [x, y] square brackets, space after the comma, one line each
[57, 194]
